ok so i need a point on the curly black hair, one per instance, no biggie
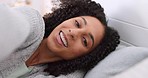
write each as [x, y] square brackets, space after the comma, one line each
[74, 8]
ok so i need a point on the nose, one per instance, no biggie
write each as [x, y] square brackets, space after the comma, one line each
[76, 33]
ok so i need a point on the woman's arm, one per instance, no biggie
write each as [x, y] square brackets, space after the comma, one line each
[12, 33]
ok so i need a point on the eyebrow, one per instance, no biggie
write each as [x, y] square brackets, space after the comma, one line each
[91, 36]
[85, 22]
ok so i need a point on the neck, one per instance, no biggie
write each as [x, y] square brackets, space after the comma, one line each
[46, 54]
[42, 55]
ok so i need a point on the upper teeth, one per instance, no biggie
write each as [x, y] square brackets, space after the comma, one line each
[63, 39]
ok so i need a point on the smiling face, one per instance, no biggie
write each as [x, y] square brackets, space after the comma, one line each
[75, 37]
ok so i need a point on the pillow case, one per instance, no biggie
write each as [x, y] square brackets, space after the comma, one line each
[117, 62]
[139, 70]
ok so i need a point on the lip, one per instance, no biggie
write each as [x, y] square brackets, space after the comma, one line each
[59, 41]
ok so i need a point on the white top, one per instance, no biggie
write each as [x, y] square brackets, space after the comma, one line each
[22, 70]
[11, 32]
[13, 66]
[36, 32]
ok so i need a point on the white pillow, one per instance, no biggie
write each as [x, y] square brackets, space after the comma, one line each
[117, 62]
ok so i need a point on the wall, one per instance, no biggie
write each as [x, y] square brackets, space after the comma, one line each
[130, 18]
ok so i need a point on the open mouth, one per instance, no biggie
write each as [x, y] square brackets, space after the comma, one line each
[63, 39]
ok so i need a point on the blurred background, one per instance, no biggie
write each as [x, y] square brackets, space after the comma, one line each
[43, 6]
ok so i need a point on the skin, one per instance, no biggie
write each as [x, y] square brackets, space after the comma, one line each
[82, 34]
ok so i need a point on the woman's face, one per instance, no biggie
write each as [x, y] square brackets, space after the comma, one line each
[75, 37]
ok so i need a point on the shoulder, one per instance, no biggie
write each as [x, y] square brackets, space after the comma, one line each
[36, 23]
[13, 34]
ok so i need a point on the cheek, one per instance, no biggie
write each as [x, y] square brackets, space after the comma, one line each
[78, 51]
[77, 48]
[66, 24]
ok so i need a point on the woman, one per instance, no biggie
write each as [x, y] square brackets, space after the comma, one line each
[76, 38]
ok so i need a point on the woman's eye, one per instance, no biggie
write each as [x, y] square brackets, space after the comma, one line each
[77, 24]
[84, 41]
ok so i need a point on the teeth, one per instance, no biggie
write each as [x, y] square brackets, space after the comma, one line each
[63, 39]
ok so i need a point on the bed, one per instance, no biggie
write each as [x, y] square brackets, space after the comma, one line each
[130, 18]
[129, 60]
